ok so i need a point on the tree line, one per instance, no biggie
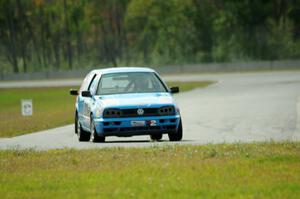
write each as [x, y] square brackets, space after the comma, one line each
[47, 35]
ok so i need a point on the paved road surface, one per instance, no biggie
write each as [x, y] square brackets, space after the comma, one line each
[239, 108]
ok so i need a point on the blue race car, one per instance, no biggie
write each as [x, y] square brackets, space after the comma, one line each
[125, 102]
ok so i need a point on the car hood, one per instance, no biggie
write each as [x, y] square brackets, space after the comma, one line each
[136, 99]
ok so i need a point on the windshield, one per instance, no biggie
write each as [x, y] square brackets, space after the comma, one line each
[131, 82]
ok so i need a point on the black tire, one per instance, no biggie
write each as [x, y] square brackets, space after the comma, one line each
[156, 137]
[178, 135]
[95, 137]
[83, 136]
[75, 123]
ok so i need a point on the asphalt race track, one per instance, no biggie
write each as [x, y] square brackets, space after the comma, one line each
[240, 107]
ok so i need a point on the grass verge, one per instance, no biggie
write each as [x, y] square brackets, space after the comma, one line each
[52, 107]
[267, 170]
[187, 86]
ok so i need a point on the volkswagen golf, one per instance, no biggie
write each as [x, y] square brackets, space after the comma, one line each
[126, 102]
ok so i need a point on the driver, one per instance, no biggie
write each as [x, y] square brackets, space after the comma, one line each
[141, 84]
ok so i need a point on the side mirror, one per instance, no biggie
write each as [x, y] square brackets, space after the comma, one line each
[174, 90]
[86, 94]
[73, 92]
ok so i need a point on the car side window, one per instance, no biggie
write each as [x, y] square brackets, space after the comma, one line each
[94, 85]
[86, 82]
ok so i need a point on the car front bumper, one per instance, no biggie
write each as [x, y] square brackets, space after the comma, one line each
[124, 127]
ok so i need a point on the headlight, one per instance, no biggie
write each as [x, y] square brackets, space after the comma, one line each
[110, 113]
[166, 110]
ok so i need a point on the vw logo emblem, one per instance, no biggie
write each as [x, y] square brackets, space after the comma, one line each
[140, 111]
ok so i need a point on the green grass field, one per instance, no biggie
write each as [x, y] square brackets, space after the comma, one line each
[266, 170]
[52, 107]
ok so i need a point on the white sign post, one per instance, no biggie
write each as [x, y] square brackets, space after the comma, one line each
[26, 106]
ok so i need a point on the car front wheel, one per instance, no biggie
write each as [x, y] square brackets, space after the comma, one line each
[94, 135]
[178, 135]
[76, 123]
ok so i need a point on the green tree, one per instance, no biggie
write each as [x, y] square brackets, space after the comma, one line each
[159, 31]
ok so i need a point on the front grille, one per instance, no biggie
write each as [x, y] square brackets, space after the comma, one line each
[119, 113]
[133, 112]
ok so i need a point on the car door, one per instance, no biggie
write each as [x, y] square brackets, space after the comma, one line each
[89, 102]
[80, 99]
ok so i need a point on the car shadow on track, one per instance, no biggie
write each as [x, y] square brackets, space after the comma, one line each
[144, 141]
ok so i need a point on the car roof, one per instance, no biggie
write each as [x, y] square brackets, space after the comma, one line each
[122, 70]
